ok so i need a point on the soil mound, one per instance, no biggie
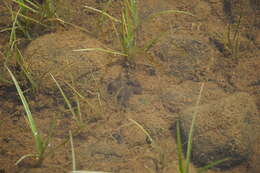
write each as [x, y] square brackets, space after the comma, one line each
[179, 97]
[226, 128]
[55, 53]
[185, 57]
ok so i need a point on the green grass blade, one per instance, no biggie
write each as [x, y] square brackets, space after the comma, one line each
[153, 41]
[24, 6]
[66, 99]
[18, 25]
[26, 71]
[212, 164]
[179, 148]
[13, 31]
[189, 147]
[71, 24]
[132, 7]
[128, 29]
[34, 4]
[31, 19]
[6, 29]
[37, 138]
[48, 9]
[103, 13]
[101, 19]
[74, 170]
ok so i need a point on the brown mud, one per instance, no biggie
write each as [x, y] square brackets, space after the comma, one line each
[154, 90]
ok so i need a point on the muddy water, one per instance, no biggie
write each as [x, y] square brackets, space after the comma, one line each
[161, 87]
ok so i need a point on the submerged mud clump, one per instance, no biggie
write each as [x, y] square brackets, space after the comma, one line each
[226, 128]
[177, 98]
[55, 53]
[185, 57]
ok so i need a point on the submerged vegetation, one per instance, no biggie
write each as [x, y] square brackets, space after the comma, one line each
[28, 14]
[26, 17]
[127, 29]
[39, 142]
[229, 42]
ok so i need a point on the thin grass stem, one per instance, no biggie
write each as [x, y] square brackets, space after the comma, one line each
[37, 138]
[189, 147]
[142, 128]
[72, 152]
[101, 50]
[66, 99]
[103, 13]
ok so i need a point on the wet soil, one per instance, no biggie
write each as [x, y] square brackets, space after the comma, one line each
[152, 90]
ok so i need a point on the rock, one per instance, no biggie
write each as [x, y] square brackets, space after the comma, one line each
[54, 53]
[226, 128]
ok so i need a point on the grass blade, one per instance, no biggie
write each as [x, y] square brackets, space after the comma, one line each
[188, 154]
[169, 12]
[179, 148]
[79, 109]
[65, 98]
[32, 20]
[34, 4]
[72, 153]
[13, 31]
[153, 41]
[71, 24]
[74, 158]
[212, 164]
[24, 157]
[25, 70]
[37, 138]
[145, 131]
[103, 13]
[50, 133]
[88, 172]
[101, 50]
[24, 6]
